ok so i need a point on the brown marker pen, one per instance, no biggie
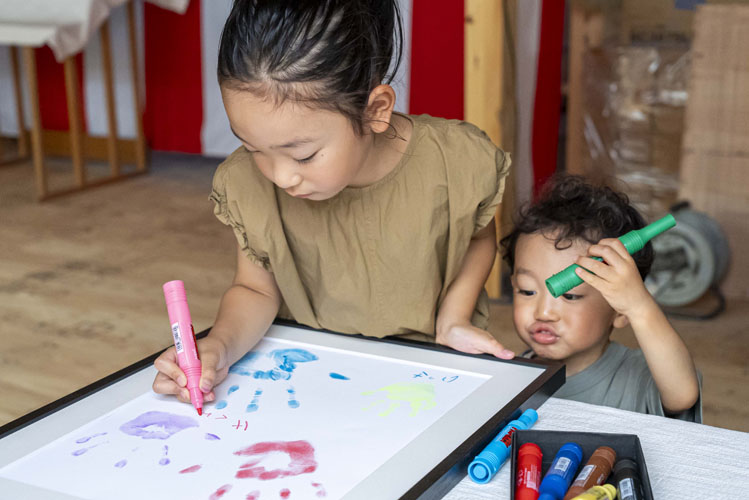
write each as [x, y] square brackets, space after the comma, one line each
[594, 473]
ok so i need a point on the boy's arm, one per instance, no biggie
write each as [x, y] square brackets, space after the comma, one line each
[246, 312]
[668, 358]
[454, 327]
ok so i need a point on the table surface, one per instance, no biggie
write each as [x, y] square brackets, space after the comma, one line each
[684, 460]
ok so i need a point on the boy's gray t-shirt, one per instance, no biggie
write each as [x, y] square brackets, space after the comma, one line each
[621, 379]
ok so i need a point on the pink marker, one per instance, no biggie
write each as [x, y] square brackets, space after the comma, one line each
[184, 339]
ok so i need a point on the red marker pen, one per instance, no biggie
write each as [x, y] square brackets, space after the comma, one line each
[528, 472]
[184, 339]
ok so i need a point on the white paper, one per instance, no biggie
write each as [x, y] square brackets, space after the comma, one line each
[291, 420]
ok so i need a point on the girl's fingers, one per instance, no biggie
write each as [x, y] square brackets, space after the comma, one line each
[473, 340]
[207, 379]
[485, 342]
[165, 385]
[170, 369]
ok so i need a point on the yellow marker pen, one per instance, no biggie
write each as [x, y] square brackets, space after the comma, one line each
[604, 492]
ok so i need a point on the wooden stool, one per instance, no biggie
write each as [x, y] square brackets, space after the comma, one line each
[77, 138]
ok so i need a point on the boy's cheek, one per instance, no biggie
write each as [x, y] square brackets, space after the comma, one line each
[521, 314]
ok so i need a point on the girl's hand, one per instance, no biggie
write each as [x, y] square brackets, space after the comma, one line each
[616, 278]
[172, 380]
[463, 336]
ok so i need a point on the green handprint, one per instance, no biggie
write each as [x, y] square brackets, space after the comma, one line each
[420, 396]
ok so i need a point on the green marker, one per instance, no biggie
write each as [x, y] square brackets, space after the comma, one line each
[564, 281]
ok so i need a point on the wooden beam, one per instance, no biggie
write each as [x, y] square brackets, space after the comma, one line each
[485, 61]
[57, 143]
[91, 184]
[585, 31]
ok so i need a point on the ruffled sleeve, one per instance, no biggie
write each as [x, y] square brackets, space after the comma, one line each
[485, 168]
[487, 207]
[241, 198]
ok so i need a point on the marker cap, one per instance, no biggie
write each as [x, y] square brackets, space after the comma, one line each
[654, 229]
[174, 291]
[606, 489]
[487, 463]
[529, 417]
[624, 464]
[530, 449]
[563, 281]
[483, 468]
[610, 489]
[607, 453]
[573, 448]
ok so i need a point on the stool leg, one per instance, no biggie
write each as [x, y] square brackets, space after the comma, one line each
[23, 142]
[40, 173]
[106, 60]
[74, 119]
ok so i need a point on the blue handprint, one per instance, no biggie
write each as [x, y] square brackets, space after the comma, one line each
[285, 362]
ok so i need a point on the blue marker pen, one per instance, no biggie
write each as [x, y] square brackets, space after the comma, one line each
[491, 458]
[559, 476]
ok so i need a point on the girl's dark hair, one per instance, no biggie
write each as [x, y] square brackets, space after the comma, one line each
[570, 209]
[326, 53]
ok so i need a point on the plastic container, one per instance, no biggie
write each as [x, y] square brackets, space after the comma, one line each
[625, 445]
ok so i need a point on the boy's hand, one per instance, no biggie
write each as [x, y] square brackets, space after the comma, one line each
[172, 380]
[617, 277]
[464, 337]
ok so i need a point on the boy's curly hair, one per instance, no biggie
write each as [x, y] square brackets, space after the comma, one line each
[570, 209]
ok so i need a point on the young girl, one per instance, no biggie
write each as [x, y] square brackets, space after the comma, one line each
[348, 216]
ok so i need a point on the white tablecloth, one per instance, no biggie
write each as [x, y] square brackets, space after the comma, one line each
[684, 460]
[64, 25]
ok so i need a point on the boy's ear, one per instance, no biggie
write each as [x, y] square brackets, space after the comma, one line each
[620, 321]
[380, 108]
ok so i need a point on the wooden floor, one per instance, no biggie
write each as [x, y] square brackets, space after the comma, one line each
[80, 286]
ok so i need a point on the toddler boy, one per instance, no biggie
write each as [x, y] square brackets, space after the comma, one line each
[570, 223]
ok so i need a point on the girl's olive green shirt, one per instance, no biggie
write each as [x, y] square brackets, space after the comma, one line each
[375, 260]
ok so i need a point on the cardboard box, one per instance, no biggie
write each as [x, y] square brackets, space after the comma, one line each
[715, 147]
[625, 446]
[634, 115]
[655, 20]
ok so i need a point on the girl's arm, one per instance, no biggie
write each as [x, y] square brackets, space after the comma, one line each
[246, 312]
[668, 358]
[454, 327]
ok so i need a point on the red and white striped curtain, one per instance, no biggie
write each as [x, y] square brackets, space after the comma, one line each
[183, 108]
